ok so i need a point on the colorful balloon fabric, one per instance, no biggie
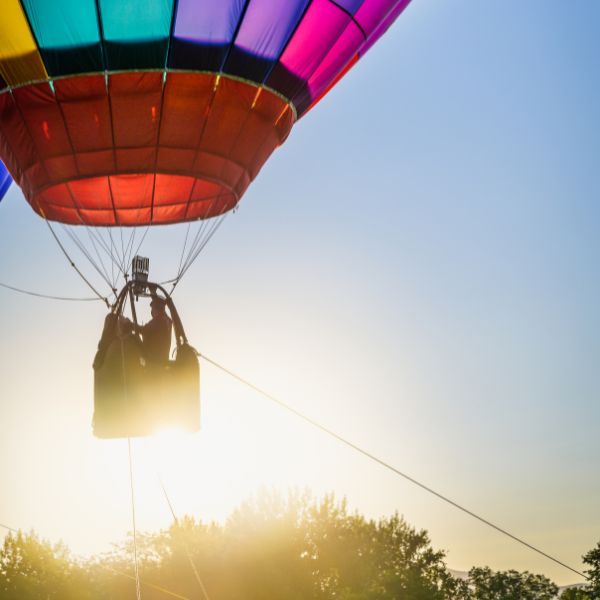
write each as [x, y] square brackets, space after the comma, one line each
[134, 112]
[5, 180]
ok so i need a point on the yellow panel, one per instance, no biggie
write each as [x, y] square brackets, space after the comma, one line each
[20, 60]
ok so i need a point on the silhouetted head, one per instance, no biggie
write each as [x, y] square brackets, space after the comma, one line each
[125, 326]
[157, 306]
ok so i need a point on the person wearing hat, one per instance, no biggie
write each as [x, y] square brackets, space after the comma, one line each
[156, 333]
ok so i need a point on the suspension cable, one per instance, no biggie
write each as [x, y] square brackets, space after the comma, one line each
[99, 256]
[386, 465]
[185, 546]
[197, 249]
[211, 230]
[75, 239]
[60, 245]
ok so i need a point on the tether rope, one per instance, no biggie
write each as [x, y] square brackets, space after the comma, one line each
[387, 465]
[49, 296]
[138, 592]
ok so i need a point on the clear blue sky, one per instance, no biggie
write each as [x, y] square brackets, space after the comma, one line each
[417, 267]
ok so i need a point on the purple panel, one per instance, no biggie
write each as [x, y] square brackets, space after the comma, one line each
[385, 24]
[344, 50]
[267, 26]
[350, 5]
[323, 24]
[207, 22]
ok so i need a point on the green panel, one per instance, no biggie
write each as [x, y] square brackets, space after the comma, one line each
[67, 33]
[135, 21]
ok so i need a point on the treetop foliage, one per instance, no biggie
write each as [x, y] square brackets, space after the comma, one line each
[271, 547]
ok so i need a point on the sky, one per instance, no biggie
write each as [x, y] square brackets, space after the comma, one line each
[416, 268]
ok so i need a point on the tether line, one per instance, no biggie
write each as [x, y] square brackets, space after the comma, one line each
[388, 466]
[135, 552]
[48, 296]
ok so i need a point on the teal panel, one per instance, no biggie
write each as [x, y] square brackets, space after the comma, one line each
[136, 33]
[63, 23]
[67, 33]
[135, 21]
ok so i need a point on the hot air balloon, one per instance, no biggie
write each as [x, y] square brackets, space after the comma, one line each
[128, 113]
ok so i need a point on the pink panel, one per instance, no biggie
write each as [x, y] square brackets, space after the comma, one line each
[383, 26]
[333, 64]
[373, 12]
[318, 32]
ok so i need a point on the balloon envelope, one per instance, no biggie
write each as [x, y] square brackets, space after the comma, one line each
[133, 112]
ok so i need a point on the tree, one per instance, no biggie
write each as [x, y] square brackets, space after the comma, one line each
[486, 584]
[592, 558]
[575, 594]
[31, 569]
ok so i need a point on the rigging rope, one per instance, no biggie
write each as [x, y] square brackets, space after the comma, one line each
[75, 239]
[197, 246]
[387, 465]
[135, 551]
[100, 296]
[185, 546]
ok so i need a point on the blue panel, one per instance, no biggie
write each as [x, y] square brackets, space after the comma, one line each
[350, 6]
[5, 180]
